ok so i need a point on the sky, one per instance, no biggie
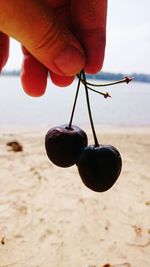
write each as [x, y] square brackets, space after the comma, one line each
[128, 38]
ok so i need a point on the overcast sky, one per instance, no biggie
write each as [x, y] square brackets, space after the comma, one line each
[128, 38]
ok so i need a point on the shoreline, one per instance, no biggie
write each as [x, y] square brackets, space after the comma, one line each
[98, 127]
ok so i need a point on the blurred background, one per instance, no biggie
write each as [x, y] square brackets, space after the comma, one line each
[127, 52]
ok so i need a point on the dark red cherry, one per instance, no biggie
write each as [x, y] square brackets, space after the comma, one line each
[63, 144]
[99, 166]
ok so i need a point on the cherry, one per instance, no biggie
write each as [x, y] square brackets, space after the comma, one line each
[99, 166]
[63, 144]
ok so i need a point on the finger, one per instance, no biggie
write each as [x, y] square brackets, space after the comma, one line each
[28, 81]
[4, 49]
[62, 10]
[37, 28]
[61, 81]
[33, 75]
[89, 22]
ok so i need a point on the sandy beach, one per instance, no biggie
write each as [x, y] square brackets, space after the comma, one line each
[48, 218]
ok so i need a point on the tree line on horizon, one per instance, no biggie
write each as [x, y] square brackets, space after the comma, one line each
[139, 77]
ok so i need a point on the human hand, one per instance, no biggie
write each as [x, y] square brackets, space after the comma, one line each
[59, 36]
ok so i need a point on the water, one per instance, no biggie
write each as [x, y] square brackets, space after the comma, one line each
[129, 105]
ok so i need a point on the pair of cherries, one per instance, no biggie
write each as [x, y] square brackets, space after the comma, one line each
[99, 166]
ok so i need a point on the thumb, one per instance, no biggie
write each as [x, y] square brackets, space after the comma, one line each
[34, 25]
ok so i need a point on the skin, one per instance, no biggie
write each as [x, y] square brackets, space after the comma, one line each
[57, 36]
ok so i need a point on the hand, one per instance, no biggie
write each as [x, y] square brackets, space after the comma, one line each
[59, 36]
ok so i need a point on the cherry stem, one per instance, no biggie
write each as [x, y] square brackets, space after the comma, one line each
[75, 101]
[105, 95]
[89, 109]
[125, 80]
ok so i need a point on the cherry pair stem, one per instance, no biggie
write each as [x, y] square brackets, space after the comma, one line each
[82, 78]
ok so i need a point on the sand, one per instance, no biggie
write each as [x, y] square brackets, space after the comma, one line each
[48, 218]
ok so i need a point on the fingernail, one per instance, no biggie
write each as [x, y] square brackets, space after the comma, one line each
[70, 60]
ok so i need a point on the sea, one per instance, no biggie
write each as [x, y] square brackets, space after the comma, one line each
[129, 105]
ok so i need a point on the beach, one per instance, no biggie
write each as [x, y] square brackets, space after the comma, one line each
[48, 218]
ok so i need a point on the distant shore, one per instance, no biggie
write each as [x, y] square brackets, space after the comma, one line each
[107, 76]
